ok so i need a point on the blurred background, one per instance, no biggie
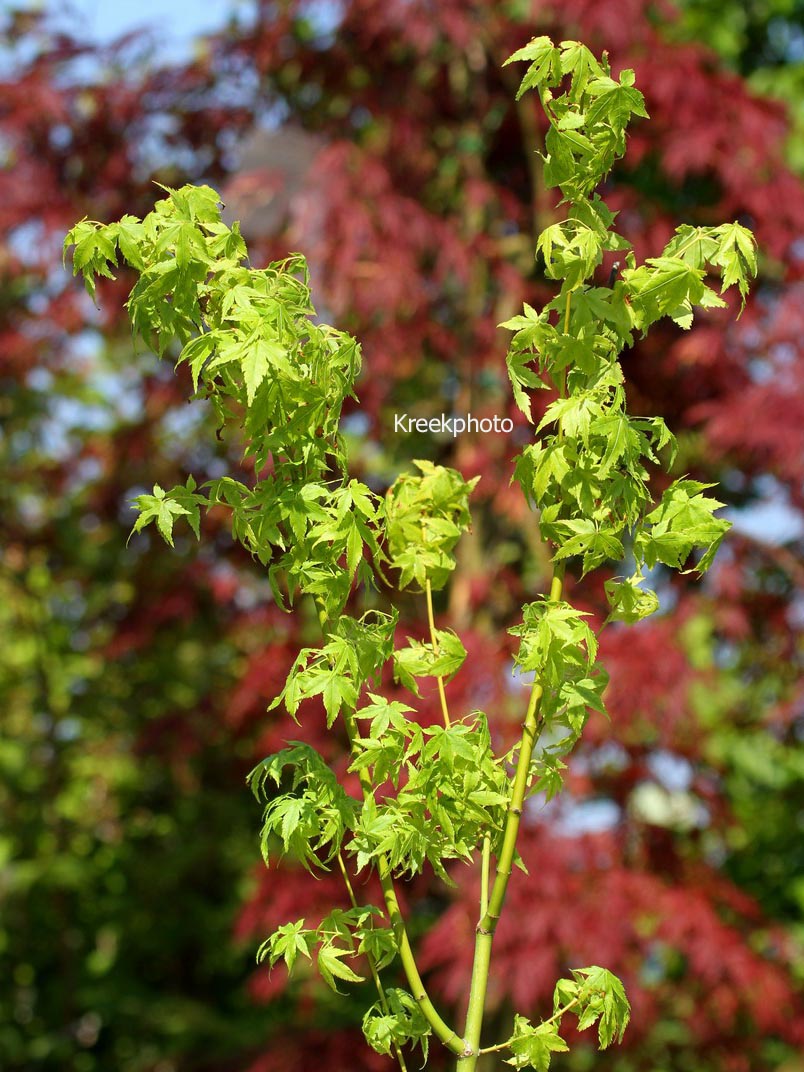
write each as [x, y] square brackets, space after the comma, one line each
[381, 138]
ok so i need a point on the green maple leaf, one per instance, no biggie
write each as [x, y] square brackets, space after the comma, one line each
[533, 1046]
[331, 967]
[160, 508]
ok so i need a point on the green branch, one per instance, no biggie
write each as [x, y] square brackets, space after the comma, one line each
[490, 917]
[375, 975]
[434, 641]
[441, 1029]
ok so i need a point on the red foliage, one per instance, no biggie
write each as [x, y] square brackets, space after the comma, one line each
[584, 903]
[648, 693]
[302, 1050]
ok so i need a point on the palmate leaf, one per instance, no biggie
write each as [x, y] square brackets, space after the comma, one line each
[597, 542]
[403, 1024]
[736, 256]
[382, 749]
[257, 360]
[695, 245]
[594, 995]
[377, 942]
[683, 521]
[94, 253]
[541, 466]
[420, 659]
[355, 651]
[577, 60]
[521, 376]
[455, 790]
[341, 936]
[311, 675]
[553, 636]
[311, 818]
[601, 999]
[385, 715]
[545, 64]
[166, 507]
[629, 602]
[663, 286]
[532, 1046]
[587, 123]
[548, 773]
[573, 248]
[288, 943]
[344, 934]
[425, 516]
[331, 967]
[730, 247]
[576, 697]
[248, 334]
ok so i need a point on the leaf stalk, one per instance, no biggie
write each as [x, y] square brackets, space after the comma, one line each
[434, 641]
[375, 975]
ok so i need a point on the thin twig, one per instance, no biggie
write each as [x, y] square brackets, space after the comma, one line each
[484, 875]
[434, 641]
[375, 975]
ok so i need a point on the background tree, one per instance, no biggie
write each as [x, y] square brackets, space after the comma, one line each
[128, 839]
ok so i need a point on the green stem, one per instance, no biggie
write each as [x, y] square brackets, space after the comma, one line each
[480, 966]
[477, 998]
[434, 641]
[562, 387]
[441, 1029]
[484, 934]
[556, 1016]
[496, 1049]
[375, 975]
[484, 875]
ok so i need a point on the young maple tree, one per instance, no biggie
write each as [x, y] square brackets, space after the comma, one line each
[433, 795]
